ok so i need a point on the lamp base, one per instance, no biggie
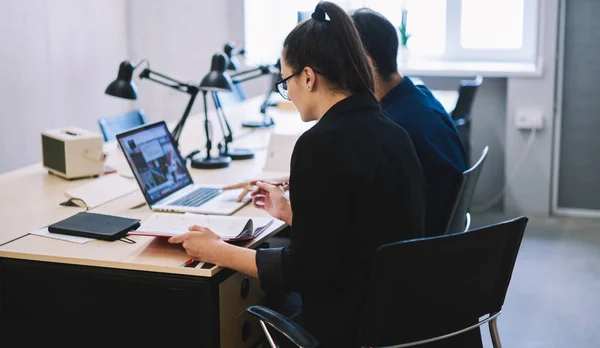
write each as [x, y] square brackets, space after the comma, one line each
[237, 154]
[265, 123]
[211, 162]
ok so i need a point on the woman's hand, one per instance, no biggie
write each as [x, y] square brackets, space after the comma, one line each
[246, 187]
[273, 200]
[202, 244]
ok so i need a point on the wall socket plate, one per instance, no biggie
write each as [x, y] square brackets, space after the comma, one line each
[529, 119]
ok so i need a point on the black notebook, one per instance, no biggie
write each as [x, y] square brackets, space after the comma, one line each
[99, 226]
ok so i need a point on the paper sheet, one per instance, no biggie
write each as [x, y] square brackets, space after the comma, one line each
[74, 239]
[103, 190]
[174, 224]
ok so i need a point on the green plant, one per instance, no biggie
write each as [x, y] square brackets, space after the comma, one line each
[404, 35]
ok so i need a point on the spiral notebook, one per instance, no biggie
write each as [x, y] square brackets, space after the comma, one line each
[230, 228]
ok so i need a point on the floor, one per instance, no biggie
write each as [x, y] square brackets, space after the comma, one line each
[554, 296]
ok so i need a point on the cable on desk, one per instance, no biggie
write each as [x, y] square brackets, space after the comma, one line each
[127, 240]
[69, 203]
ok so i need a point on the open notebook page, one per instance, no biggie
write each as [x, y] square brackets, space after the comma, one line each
[166, 224]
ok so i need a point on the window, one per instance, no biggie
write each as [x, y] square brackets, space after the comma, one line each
[459, 30]
[491, 24]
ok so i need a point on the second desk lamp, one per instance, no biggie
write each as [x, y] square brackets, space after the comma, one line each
[214, 82]
[238, 77]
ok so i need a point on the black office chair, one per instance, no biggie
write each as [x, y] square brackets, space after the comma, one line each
[461, 115]
[111, 126]
[429, 292]
[459, 218]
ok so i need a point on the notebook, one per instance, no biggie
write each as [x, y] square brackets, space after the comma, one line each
[229, 228]
[91, 225]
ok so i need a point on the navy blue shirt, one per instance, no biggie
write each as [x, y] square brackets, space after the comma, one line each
[436, 142]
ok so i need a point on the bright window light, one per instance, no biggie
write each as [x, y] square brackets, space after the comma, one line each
[426, 22]
[465, 30]
[491, 24]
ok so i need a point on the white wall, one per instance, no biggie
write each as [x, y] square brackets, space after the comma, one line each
[488, 128]
[178, 37]
[530, 190]
[55, 58]
[58, 56]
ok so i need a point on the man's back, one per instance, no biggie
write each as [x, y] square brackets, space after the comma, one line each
[436, 142]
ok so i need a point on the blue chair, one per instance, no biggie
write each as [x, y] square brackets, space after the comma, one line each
[236, 96]
[111, 126]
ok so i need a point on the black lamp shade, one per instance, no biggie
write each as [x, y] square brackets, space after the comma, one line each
[123, 86]
[217, 79]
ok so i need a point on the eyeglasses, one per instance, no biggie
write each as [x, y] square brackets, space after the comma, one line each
[282, 86]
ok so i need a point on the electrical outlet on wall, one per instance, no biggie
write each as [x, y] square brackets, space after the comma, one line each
[529, 119]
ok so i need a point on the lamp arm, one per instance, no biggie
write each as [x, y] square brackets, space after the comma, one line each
[228, 136]
[206, 126]
[256, 72]
[179, 127]
[178, 85]
[266, 102]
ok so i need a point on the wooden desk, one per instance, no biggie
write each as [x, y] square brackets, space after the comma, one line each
[101, 293]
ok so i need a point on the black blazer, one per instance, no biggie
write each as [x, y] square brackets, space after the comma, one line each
[355, 184]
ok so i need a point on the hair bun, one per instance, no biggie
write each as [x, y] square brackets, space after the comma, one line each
[319, 14]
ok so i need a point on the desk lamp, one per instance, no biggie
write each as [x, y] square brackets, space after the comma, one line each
[231, 53]
[217, 80]
[259, 71]
[124, 87]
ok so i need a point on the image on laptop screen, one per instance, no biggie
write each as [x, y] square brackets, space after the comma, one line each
[155, 162]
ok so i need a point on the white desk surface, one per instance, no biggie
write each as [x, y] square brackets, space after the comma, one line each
[446, 98]
[31, 199]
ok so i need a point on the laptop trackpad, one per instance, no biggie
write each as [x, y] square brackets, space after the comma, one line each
[225, 202]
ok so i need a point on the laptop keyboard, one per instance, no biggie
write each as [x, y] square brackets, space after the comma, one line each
[197, 198]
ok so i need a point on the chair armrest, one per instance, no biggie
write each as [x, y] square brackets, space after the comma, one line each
[287, 327]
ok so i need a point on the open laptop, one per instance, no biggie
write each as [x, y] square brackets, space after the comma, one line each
[164, 178]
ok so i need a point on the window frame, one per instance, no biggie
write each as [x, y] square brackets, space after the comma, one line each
[454, 51]
[527, 52]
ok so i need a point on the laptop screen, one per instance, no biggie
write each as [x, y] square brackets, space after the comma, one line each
[155, 161]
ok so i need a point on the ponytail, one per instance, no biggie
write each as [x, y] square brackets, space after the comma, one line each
[329, 43]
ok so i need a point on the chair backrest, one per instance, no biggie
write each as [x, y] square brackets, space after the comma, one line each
[466, 96]
[238, 95]
[457, 217]
[425, 288]
[111, 126]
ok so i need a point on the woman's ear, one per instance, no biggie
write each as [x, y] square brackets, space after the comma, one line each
[309, 77]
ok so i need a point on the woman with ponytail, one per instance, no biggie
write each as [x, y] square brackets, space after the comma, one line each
[355, 184]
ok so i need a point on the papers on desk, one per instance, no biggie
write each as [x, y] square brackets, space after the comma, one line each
[230, 228]
[74, 239]
[102, 190]
[279, 152]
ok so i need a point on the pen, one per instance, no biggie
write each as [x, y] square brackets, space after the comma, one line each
[284, 184]
[187, 263]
